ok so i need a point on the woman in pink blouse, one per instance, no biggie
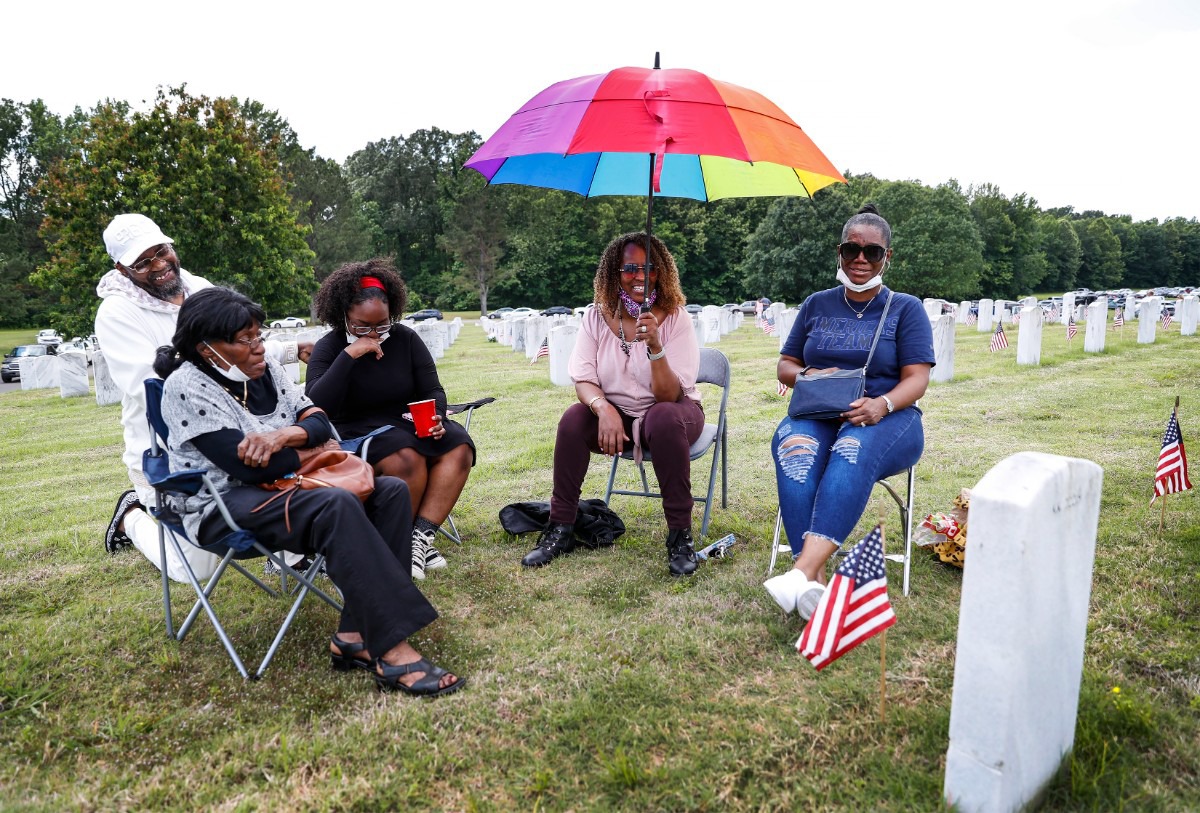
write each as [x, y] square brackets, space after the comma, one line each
[635, 377]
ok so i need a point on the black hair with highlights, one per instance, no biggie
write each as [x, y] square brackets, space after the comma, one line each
[607, 284]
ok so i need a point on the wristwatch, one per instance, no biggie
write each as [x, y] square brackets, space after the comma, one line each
[891, 407]
[662, 351]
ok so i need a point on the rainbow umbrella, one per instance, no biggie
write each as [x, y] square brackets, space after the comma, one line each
[672, 132]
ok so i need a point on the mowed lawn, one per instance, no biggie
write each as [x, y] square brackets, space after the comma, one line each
[598, 683]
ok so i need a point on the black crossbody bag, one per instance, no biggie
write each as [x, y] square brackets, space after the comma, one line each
[823, 396]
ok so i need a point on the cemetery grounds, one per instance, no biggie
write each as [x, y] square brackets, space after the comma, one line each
[599, 683]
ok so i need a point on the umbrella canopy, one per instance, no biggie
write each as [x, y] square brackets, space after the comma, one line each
[674, 132]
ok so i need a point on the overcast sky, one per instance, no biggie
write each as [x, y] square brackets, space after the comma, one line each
[1086, 103]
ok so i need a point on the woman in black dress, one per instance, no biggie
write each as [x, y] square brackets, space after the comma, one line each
[365, 372]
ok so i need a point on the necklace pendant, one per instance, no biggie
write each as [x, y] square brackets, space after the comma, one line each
[859, 315]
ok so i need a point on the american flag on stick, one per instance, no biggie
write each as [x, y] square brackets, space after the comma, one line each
[1119, 319]
[1055, 314]
[543, 350]
[1072, 329]
[972, 318]
[1171, 476]
[853, 607]
[1166, 319]
[768, 326]
[782, 389]
[999, 340]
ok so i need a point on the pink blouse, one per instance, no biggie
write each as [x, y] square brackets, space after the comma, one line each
[625, 380]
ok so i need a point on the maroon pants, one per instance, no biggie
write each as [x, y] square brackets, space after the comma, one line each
[668, 431]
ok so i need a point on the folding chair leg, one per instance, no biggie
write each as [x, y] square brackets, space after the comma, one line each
[775, 542]
[451, 534]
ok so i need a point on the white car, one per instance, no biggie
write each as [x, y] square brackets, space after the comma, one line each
[289, 321]
[49, 337]
[519, 313]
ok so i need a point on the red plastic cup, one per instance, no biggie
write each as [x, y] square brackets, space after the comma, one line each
[422, 414]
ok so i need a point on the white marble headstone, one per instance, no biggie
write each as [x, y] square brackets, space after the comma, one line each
[73, 374]
[1097, 326]
[1188, 309]
[943, 347]
[1029, 336]
[519, 326]
[698, 327]
[562, 342]
[711, 319]
[933, 307]
[1130, 308]
[1147, 321]
[39, 372]
[537, 328]
[1000, 312]
[784, 323]
[1068, 308]
[1021, 629]
[107, 391]
[964, 310]
[984, 325]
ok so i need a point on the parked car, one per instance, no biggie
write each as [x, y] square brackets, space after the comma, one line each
[498, 313]
[11, 369]
[77, 345]
[749, 306]
[49, 337]
[557, 310]
[692, 307]
[519, 313]
[289, 321]
[425, 313]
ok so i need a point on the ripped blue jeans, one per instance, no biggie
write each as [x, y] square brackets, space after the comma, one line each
[825, 470]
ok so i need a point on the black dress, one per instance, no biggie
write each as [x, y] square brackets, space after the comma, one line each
[360, 395]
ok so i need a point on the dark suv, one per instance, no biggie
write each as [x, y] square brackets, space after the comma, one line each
[11, 371]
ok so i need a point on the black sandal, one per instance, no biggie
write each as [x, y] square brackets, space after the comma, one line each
[346, 658]
[114, 538]
[427, 686]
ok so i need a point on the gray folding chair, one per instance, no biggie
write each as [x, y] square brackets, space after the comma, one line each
[239, 544]
[714, 369]
[906, 507]
[469, 410]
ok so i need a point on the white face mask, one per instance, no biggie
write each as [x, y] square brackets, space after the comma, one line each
[234, 373]
[351, 338]
[866, 286]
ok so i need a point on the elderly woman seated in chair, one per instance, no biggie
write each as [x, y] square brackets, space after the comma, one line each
[235, 412]
[825, 469]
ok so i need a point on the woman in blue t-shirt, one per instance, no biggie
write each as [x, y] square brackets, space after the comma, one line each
[825, 469]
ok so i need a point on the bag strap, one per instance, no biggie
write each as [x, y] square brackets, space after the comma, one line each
[887, 304]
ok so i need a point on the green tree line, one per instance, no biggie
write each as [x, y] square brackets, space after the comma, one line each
[250, 207]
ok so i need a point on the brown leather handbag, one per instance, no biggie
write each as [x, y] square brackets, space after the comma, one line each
[332, 468]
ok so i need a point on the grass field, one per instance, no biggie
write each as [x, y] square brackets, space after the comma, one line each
[598, 683]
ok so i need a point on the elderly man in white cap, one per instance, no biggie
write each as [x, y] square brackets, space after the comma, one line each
[142, 295]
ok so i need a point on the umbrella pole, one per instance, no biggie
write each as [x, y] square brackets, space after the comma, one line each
[649, 227]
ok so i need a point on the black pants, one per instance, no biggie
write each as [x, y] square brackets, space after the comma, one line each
[367, 547]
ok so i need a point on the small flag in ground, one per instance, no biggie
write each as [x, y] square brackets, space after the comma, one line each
[1166, 319]
[543, 350]
[1119, 319]
[1055, 314]
[1072, 329]
[1171, 475]
[782, 389]
[768, 326]
[1016, 317]
[853, 608]
[972, 318]
[999, 340]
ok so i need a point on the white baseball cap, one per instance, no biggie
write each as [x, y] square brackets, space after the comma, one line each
[127, 236]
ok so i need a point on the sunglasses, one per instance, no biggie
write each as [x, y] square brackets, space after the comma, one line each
[874, 253]
[629, 269]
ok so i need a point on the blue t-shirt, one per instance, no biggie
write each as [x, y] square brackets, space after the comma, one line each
[827, 333]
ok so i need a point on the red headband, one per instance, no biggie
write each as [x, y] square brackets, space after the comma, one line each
[371, 282]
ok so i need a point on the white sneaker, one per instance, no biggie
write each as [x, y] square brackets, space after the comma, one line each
[786, 588]
[433, 557]
[420, 545]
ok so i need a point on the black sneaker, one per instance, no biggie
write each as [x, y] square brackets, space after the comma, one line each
[681, 557]
[554, 541]
[114, 538]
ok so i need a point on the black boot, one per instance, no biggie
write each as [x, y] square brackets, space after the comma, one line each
[554, 541]
[681, 558]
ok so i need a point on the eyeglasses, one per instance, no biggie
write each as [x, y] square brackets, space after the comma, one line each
[629, 269]
[366, 330]
[849, 251]
[257, 341]
[142, 266]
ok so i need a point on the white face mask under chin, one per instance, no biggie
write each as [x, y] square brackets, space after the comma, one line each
[351, 338]
[234, 373]
[866, 286]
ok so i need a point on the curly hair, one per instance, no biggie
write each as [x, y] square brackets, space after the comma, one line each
[343, 289]
[607, 285]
